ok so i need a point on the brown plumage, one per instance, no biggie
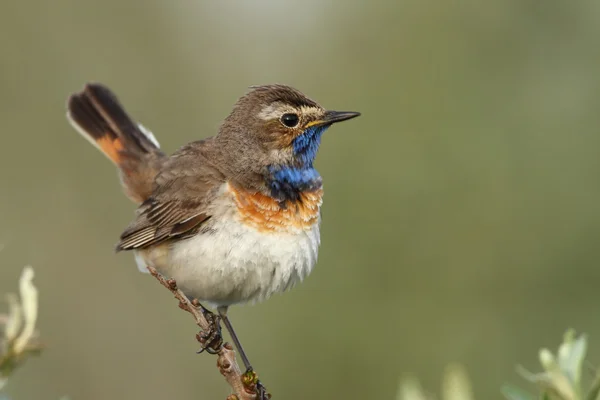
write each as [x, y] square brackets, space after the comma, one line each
[232, 219]
[178, 205]
[176, 192]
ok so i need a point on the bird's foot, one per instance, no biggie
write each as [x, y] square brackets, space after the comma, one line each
[211, 340]
[261, 392]
[251, 381]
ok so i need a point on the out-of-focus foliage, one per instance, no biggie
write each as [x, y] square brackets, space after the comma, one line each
[455, 386]
[18, 335]
[461, 216]
[562, 375]
[561, 378]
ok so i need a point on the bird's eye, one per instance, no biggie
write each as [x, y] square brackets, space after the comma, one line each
[290, 120]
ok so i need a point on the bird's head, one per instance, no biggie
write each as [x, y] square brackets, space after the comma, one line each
[275, 131]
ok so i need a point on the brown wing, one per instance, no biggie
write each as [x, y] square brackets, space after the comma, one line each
[178, 206]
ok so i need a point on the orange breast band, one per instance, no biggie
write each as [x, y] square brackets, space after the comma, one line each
[266, 215]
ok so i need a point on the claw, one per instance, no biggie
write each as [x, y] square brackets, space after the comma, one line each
[210, 350]
[211, 340]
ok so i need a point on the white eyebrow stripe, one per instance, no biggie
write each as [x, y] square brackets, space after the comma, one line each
[276, 110]
[306, 110]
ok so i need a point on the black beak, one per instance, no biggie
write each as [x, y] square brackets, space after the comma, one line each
[331, 117]
[338, 116]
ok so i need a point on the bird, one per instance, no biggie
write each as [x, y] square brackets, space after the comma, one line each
[233, 218]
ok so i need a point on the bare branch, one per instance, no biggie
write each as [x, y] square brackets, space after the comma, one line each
[244, 385]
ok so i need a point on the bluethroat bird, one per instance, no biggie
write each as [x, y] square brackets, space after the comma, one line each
[233, 218]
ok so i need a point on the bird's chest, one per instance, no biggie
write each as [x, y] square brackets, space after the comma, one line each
[250, 249]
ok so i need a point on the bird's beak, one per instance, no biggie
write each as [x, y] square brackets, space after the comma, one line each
[332, 117]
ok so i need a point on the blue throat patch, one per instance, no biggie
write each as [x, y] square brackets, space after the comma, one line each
[307, 144]
[287, 182]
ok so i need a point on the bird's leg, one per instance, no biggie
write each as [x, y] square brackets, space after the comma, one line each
[250, 376]
[211, 339]
[223, 313]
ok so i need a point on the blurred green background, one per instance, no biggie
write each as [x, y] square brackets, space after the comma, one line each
[462, 212]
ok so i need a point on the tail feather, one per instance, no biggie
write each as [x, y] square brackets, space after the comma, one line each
[114, 114]
[89, 123]
[98, 116]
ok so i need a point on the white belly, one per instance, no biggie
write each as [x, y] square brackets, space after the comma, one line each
[235, 263]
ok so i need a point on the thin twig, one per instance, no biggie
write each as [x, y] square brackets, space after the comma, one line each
[243, 384]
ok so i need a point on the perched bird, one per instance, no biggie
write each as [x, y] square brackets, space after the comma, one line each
[233, 218]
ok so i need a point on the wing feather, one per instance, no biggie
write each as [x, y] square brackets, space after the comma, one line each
[179, 203]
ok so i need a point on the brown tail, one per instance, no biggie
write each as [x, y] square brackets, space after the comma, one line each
[98, 116]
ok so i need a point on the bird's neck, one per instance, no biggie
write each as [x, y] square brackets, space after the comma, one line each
[284, 180]
[287, 183]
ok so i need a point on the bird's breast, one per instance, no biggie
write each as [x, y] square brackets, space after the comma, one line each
[268, 215]
[250, 248]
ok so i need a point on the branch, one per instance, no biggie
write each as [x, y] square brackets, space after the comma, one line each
[244, 385]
